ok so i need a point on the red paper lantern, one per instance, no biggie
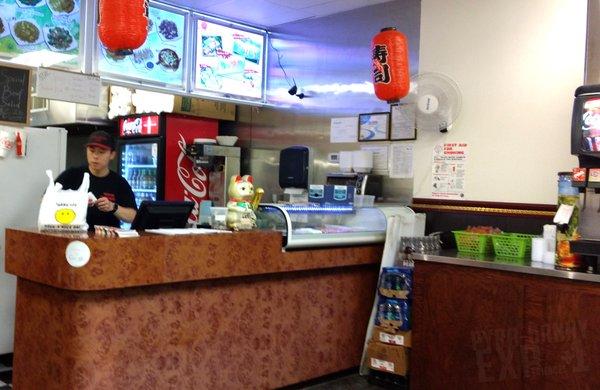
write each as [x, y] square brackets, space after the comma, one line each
[123, 24]
[391, 77]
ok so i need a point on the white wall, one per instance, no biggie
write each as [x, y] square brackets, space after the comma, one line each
[517, 64]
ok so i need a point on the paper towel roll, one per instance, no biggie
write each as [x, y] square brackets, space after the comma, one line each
[362, 161]
[346, 161]
[538, 247]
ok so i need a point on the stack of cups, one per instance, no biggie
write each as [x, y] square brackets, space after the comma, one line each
[550, 244]
[538, 247]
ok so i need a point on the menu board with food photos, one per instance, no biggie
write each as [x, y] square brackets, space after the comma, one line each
[159, 59]
[229, 60]
[36, 25]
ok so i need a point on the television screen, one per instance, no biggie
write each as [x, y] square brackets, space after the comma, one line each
[590, 124]
[160, 59]
[229, 60]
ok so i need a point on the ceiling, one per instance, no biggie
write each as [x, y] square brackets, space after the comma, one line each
[270, 13]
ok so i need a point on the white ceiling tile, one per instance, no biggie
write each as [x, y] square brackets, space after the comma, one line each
[261, 13]
[199, 5]
[337, 6]
[300, 4]
[268, 13]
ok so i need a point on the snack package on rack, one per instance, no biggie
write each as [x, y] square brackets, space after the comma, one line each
[396, 282]
[393, 314]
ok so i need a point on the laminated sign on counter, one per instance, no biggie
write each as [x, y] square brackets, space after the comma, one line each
[64, 210]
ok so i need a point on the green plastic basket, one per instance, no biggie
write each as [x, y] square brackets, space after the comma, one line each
[468, 242]
[512, 244]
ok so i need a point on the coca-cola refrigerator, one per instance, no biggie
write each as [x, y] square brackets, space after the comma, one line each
[152, 157]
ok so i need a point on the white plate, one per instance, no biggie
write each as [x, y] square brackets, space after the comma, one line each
[165, 39]
[20, 42]
[6, 28]
[60, 13]
[40, 4]
[72, 46]
[167, 68]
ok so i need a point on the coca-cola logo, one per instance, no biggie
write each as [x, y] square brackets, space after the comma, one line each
[193, 180]
[6, 143]
[131, 126]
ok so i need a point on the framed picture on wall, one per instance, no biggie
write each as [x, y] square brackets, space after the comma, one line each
[374, 126]
[403, 125]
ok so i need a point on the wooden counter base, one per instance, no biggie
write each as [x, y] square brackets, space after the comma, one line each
[261, 330]
[476, 328]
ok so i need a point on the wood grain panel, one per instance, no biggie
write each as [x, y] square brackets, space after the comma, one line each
[479, 328]
[262, 331]
[155, 259]
[563, 323]
[466, 329]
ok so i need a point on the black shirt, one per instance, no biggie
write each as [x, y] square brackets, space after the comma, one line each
[113, 186]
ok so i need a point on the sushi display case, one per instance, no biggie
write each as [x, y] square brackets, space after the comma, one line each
[310, 226]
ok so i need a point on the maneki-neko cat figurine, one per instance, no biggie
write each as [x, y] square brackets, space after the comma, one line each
[243, 201]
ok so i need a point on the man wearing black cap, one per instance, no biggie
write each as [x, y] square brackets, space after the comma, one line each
[115, 200]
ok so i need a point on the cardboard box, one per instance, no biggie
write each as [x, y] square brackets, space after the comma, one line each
[204, 108]
[387, 358]
[387, 336]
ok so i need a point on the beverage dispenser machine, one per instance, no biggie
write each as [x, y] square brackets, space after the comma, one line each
[585, 143]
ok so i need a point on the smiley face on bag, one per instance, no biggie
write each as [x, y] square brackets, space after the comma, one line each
[64, 216]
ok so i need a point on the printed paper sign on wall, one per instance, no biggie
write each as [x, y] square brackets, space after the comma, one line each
[448, 171]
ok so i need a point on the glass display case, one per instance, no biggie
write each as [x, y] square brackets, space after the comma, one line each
[308, 226]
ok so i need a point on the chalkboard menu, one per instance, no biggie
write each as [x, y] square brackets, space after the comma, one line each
[14, 94]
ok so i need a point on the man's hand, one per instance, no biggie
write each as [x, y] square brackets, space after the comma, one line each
[91, 199]
[105, 205]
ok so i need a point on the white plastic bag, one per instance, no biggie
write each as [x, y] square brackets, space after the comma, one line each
[64, 210]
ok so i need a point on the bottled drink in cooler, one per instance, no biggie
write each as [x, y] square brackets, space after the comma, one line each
[144, 184]
[133, 179]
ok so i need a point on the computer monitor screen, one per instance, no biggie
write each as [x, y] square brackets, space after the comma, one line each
[162, 214]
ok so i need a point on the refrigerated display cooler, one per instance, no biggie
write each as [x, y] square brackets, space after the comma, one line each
[153, 157]
[309, 226]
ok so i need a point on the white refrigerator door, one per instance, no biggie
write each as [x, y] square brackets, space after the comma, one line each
[22, 185]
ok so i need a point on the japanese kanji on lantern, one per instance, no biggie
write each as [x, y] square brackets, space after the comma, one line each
[391, 76]
[123, 24]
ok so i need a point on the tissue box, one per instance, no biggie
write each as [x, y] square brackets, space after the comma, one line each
[331, 195]
[316, 193]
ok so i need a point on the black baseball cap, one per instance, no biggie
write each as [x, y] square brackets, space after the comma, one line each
[102, 140]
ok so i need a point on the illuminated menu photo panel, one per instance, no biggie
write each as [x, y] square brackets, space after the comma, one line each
[229, 60]
[40, 32]
[160, 59]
